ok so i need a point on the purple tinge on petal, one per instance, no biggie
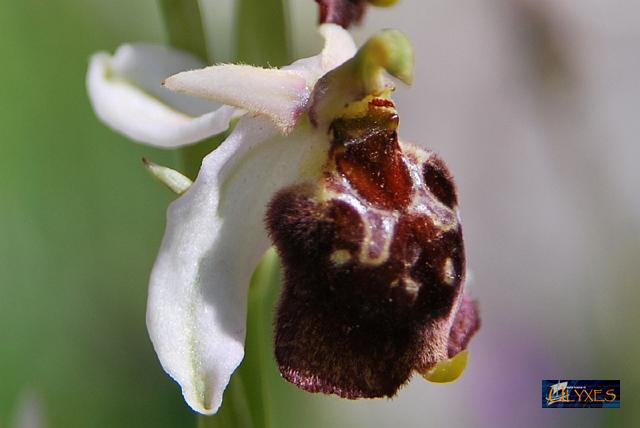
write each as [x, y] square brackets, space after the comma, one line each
[465, 324]
[342, 12]
[374, 264]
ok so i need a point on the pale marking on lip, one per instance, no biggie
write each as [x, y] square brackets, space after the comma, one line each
[390, 219]
[388, 224]
[448, 275]
[411, 286]
[423, 201]
[340, 257]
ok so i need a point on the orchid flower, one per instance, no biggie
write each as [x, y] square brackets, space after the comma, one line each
[367, 227]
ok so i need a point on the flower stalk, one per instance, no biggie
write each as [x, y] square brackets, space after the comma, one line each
[183, 22]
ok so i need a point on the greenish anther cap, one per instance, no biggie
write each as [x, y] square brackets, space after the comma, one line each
[363, 75]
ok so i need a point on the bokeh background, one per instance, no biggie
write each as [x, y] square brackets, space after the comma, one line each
[535, 104]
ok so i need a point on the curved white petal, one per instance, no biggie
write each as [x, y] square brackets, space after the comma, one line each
[126, 93]
[338, 47]
[214, 238]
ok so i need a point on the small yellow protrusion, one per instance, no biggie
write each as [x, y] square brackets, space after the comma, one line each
[340, 257]
[383, 3]
[448, 275]
[448, 370]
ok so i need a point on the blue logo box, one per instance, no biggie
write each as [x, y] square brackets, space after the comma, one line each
[581, 393]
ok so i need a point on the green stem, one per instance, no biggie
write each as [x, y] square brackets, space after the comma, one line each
[183, 22]
[185, 31]
[253, 370]
[261, 32]
[261, 36]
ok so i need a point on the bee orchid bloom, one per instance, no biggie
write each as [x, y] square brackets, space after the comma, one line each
[367, 228]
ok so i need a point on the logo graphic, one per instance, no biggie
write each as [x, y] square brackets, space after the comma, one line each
[580, 393]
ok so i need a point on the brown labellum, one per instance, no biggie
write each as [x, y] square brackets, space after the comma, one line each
[374, 264]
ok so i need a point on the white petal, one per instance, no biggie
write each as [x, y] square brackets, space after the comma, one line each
[278, 94]
[126, 93]
[338, 46]
[214, 238]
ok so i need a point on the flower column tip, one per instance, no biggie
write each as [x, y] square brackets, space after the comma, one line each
[363, 76]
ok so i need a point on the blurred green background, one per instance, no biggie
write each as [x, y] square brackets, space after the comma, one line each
[80, 224]
[80, 220]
